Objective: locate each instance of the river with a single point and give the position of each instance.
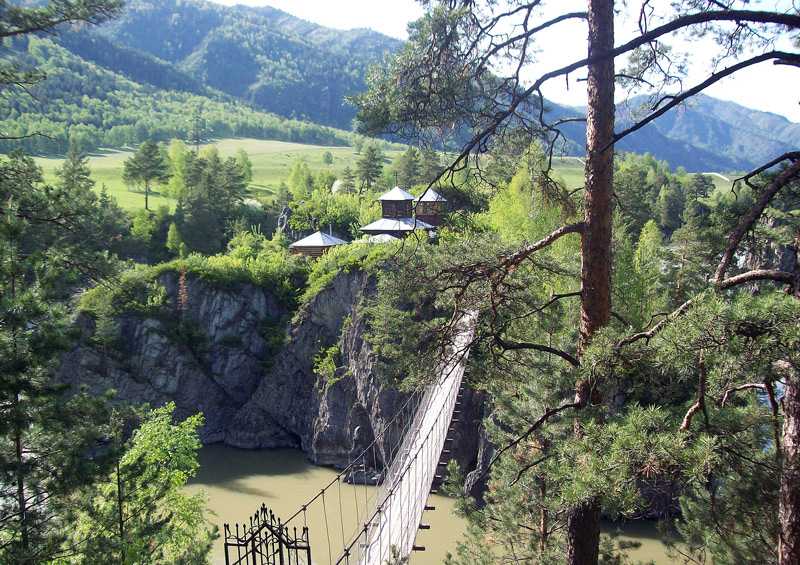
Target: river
(237, 481)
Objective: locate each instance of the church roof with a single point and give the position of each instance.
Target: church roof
(382, 238)
(432, 196)
(385, 225)
(318, 239)
(397, 194)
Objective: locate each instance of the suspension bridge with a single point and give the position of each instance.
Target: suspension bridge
(370, 513)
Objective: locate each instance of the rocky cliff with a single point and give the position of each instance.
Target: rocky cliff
(254, 395)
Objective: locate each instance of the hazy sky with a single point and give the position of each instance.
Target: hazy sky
(764, 86)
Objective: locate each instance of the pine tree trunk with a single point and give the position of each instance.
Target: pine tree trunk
(789, 512)
(583, 524)
(22, 506)
(596, 242)
(147, 196)
(583, 535)
(789, 498)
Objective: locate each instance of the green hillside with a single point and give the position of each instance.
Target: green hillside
(91, 106)
(275, 61)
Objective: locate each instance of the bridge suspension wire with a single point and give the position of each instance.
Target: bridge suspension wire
(362, 475)
(389, 533)
(391, 477)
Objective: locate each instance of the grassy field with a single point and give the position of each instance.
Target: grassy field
(272, 161)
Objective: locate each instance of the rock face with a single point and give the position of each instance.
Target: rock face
(252, 396)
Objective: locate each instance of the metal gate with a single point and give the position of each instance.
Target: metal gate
(266, 542)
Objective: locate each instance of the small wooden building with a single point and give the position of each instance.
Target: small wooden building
(397, 203)
(431, 207)
(315, 244)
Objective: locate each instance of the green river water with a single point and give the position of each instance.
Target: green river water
(236, 482)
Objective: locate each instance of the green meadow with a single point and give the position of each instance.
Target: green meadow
(272, 161)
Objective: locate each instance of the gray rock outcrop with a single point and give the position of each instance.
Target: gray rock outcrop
(251, 395)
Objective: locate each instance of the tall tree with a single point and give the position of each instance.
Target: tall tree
(245, 165)
(141, 513)
(408, 168)
(50, 241)
(176, 153)
(215, 189)
(146, 166)
(370, 165)
(430, 166)
(455, 36)
(348, 180)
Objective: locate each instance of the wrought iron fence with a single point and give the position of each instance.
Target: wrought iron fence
(266, 541)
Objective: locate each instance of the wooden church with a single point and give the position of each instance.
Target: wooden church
(397, 213)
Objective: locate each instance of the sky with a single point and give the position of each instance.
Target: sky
(764, 87)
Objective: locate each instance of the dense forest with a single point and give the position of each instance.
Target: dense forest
(91, 107)
(266, 57)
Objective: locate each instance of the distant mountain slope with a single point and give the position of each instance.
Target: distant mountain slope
(741, 136)
(649, 139)
(267, 57)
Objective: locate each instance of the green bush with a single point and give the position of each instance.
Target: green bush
(345, 258)
(326, 363)
(251, 258)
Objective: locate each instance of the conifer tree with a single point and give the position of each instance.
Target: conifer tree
(408, 168)
(348, 180)
(430, 165)
(445, 79)
(146, 166)
(370, 166)
(48, 241)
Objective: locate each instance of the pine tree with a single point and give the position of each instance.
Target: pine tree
(670, 207)
(430, 165)
(147, 165)
(74, 172)
(348, 180)
(370, 166)
(44, 433)
(408, 168)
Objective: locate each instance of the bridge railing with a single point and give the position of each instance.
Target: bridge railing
(370, 512)
(389, 534)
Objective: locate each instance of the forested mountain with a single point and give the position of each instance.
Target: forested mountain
(267, 57)
(721, 129)
(175, 51)
(82, 102)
